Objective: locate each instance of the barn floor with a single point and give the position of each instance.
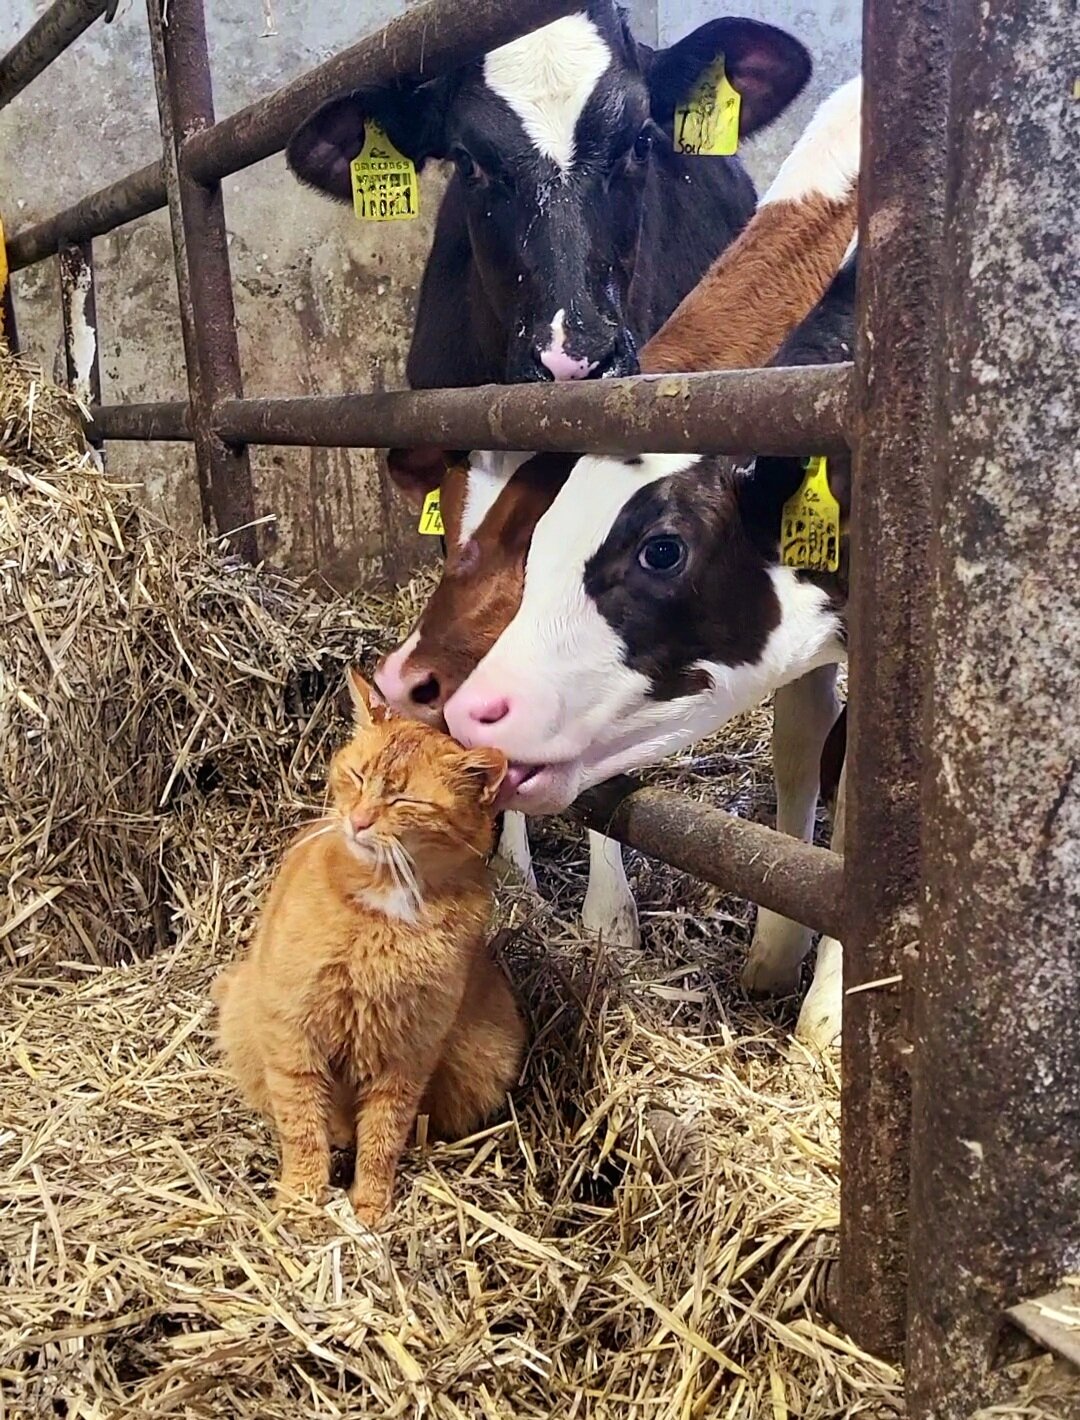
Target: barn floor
(644, 1236)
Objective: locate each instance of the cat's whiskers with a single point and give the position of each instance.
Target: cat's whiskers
(403, 876)
(407, 870)
(318, 833)
(385, 861)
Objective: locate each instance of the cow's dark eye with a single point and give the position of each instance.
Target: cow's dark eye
(467, 165)
(643, 144)
(664, 554)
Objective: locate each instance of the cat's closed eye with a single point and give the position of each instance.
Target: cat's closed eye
(355, 775)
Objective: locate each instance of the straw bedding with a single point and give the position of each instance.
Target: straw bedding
(643, 1235)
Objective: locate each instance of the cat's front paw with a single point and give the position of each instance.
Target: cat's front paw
(370, 1208)
(299, 1188)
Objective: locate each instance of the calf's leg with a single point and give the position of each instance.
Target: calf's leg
(512, 853)
(803, 714)
(820, 1018)
(609, 909)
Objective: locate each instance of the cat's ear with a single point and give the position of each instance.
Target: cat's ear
(489, 766)
(368, 706)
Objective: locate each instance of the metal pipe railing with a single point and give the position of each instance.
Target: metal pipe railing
(898, 300)
(61, 24)
(995, 1123)
(134, 196)
(743, 858)
(185, 98)
(773, 411)
(426, 41)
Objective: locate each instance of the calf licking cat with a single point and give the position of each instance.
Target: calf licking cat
(571, 228)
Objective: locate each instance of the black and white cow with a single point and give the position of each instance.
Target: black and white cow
(569, 232)
(656, 608)
(571, 228)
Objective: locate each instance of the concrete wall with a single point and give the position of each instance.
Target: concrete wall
(830, 29)
(324, 303)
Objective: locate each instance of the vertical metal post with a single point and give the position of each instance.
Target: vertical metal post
(8, 332)
(900, 195)
(204, 282)
(78, 314)
(996, 1079)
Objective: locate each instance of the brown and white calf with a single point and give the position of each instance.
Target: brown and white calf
(571, 227)
(655, 608)
(756, 292)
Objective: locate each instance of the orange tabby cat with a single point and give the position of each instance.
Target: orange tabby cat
(368, 995)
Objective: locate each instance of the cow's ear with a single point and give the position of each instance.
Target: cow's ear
(768, 67)
(417, 471)
(412, 116)
(763, 491)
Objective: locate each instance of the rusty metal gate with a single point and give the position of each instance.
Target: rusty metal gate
(956, 897)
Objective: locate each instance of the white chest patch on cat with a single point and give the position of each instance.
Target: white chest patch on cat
(400, 903)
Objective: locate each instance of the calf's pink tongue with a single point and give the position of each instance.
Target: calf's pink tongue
(516, 775)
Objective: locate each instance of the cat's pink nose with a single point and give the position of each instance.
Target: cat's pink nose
(361, 819)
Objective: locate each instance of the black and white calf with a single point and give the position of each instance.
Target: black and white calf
(570, 230)
(656, 608)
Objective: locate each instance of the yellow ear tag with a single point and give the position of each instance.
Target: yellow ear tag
(384, 185)
(707, 124)
(431, 516)
(810, 523)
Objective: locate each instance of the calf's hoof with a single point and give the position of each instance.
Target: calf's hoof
(616, 927)
(777, 953)
(509, 874)
(819, 1033)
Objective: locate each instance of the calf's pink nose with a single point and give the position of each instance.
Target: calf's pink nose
(403, 686)
(489, 712)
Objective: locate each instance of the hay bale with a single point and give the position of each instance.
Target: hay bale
(147, 686)
(567, 1262)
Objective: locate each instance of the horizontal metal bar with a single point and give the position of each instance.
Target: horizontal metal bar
(61, 24)
(774, 411)
(168, 422)
(426, 41)
(133, 196)
(777, 411)
(1053, 1321)
(748, 859)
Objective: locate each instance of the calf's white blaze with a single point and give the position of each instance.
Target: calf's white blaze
(391, 674)
(489, 473)
(547, 78)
